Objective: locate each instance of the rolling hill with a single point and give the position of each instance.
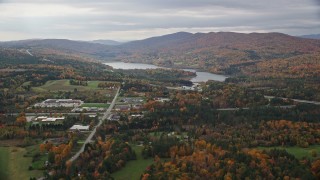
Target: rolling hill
(107, 42)
(221, 52)
(64, 47)
(311, 36)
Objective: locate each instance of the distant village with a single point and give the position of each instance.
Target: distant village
(124, 105)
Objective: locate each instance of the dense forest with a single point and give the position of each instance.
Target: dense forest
(189, 138)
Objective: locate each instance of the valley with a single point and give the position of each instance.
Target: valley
(180, 106)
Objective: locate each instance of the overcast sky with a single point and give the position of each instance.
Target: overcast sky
(125, 20)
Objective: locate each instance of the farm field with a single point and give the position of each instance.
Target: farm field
(298, 152)
(13, 164)
(64, 85)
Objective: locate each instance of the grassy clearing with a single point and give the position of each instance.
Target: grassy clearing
(93, 84)
(156, 134)
(64, 85)
(13, 164)
(298, 152)
(4, 159)
(81, 142)
(98, 105)
(26, 83)
(133, 169)
(40, 160)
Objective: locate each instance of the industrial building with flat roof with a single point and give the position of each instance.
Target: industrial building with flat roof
(48, 119)
(60, 103)
(77, 127)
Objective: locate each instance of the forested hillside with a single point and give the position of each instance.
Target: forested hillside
(222, 52)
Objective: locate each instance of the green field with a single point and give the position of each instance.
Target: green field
(133, 169)
(298, 152)
(13, 164)
(98, 105)
(4, 159)
(64, 85)
(26, 83)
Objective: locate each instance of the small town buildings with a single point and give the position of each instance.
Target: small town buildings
(135, 116)
(188, 88)
(122, 108)
(59, 103)
(51, 119)
(114, 117)
(137, 106)
(161, 99)
(88, 109)
(194, 87)
(40, 118)
(131, 100)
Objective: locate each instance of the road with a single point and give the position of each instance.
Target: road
(295, 100)
(246, 108)
(267, 97)
(29, 52)
(221, 109)
(47, 114)
(230, 109)
(102, 119)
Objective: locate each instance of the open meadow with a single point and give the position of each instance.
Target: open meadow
(298, 152)
(14, 163)
(135, 168)
(64, 85)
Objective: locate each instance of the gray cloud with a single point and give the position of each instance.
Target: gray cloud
(136, 19)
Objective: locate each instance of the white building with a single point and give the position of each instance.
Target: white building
(51, 119)
(48, 119)
(77, 127)
(60, 103)
(161, 99)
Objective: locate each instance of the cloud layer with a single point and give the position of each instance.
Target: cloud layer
(136, 19)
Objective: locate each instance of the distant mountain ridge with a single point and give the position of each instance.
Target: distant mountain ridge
(107, 42)
(199, 40)
(62, 46)
(311, 36)
(159, 40)
(218, 52)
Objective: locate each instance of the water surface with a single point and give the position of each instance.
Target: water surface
(201, 76)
